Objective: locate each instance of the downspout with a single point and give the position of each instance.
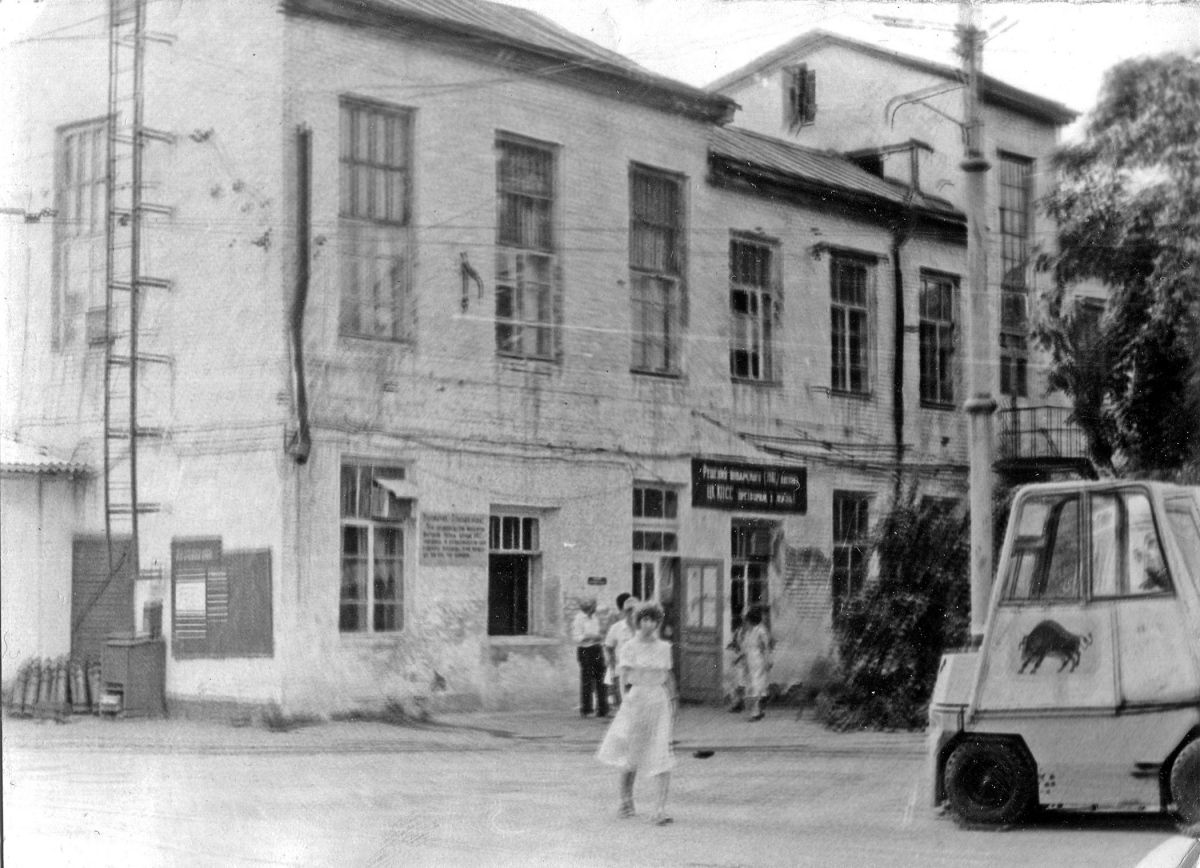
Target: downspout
(901, 232)
(301, 444)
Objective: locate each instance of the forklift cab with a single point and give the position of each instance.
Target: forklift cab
(1085, 690)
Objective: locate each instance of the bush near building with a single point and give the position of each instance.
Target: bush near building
(891, 636)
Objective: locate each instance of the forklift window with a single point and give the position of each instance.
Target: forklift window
(1127, 558)
(1046, 552)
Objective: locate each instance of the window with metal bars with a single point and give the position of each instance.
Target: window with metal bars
(375, 201)
(752, 300)
(850, 517)
(80, 226)
(938, 306)
(850, 323)
(525, 249)
(373, 521)
(656, 269)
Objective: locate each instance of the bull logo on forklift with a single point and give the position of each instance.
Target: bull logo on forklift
(1052, 639)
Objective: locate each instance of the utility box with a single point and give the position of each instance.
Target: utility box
(133, 670)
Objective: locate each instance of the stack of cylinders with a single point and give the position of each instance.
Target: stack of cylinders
(60, 701)
(17, 700)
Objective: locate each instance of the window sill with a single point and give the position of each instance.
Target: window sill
(660, 375)
(855, 396)
(756, 384)
(938, 405)
(370, 341)
(526, 364)
(519, 641)
(371, 639)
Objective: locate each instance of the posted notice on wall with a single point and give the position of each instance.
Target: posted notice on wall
(454, 539)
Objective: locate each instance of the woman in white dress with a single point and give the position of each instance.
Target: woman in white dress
(639, 738)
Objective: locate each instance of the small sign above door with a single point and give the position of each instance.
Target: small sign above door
(734, 485)
(597, 580)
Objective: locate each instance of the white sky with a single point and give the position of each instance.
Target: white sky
(1055, 49)
(1058, 50)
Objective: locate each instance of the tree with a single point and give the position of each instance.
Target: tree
(1128, 214)
(891, 635)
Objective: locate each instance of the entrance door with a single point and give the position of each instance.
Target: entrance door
(101, 600)
(700, 654)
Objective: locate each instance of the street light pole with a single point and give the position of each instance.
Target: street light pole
(980, 404)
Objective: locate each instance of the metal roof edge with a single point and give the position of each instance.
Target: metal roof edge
(682, 98)
(995, 91)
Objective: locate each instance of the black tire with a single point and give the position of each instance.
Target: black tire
(1185, 783)
(989, 782)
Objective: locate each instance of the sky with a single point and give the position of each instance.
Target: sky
(1059, 50)
(1055, 49)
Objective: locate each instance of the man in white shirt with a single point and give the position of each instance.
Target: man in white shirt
(587, 634)
(621, 631)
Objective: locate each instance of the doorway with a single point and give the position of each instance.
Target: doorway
(699, 612)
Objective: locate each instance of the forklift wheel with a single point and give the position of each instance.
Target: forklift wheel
(1185, 783)
(989, 782)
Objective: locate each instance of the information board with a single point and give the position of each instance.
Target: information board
(454, 539)
(735, 485)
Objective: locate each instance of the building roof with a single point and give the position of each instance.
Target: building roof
(823, 169)
(479, 21)
(995, 92)
(17, 456)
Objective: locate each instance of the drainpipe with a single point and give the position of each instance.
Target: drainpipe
(301, 444)
(901, 232)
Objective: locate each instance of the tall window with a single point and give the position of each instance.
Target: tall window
(1016, 235)
(656, 269)
(752, 301)
(850, 515)
(849, 278)
(79, 229)
(655, 536)
(514, 574)
(938, 303)
(373, 519)
(525, 263)
(799, 96)
(375, 190)
(750, 553)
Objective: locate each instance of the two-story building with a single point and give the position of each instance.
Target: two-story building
(901, 118)
(447, 319)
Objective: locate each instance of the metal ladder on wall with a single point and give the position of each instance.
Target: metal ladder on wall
(126, 356)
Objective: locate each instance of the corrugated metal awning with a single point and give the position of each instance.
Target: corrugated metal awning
(19, 456)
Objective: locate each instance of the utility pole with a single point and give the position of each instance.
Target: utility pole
(980, 404)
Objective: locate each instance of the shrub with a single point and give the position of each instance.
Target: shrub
(890, 636)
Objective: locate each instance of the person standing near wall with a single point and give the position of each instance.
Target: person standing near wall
(756, 644)
(621, 631)
(587, 634)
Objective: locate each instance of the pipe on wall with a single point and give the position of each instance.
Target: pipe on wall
(301, 444)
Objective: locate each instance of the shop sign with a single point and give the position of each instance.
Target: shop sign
(454, 539)
(753, 487)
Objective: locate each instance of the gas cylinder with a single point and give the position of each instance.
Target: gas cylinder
(79, 691)
(60, 703)
(18, 692)
(93, 680)
(32, 686)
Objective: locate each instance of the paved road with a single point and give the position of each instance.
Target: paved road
(504, 802)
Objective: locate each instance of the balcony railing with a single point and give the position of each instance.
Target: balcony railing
(1040, 436)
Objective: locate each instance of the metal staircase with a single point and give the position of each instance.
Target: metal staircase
(127, 355)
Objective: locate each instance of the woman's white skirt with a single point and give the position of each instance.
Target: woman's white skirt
(639, 738)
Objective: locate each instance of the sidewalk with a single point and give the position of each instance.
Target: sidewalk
(699, 728)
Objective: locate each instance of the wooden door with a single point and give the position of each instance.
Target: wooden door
(101, 600)
(700, 655)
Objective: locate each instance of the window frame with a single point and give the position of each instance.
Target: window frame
(527, 312)
(850, 547)
(369, 526)
(938, 375)
(375, 293)
(658, 312)
(752, 331)
(843, 313)
(799, 96)
(529, 524)
(741, 560)
(73, 236)
(646, 558)
(1017, 195)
